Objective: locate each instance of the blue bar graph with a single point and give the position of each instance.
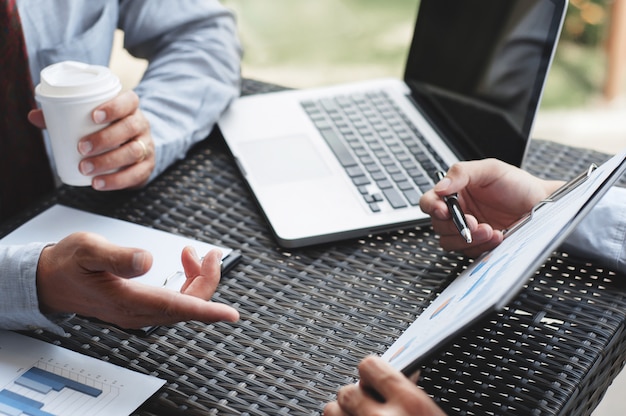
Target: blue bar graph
(57, 382)
(9, 411)
(43, 383)
(23, 404)
(41, 379)
(33, 385)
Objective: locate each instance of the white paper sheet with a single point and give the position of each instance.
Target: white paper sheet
(41, 378)
(59, 221)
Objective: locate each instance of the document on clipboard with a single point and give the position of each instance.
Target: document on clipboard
(496, 277)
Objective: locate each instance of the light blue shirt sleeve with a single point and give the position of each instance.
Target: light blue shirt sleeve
(19, 305)
(601, 235)
(193, 72)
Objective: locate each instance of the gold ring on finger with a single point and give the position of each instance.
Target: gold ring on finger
(144, 154)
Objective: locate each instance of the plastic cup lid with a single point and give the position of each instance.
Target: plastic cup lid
(70, 79)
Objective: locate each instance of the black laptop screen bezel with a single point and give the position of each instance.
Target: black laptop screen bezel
(447, 86)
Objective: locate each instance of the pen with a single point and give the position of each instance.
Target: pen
(457, 214)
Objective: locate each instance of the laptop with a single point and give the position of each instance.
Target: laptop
(350, 160)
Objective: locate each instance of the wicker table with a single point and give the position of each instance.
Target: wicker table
(309, 315)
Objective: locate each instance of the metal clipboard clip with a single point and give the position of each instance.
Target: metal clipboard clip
(555, 196)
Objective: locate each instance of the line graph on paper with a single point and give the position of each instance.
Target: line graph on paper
(50, 388)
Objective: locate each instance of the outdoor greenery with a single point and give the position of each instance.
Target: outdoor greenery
(302, 43)
(586, 21)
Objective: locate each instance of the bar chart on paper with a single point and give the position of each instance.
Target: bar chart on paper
(59, 390)
(40, 379)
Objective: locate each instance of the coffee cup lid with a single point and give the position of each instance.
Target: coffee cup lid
(71, 79)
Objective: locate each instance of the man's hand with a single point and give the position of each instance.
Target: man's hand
(121, 155)
(87, 275)
(400, 395)
(493, 195)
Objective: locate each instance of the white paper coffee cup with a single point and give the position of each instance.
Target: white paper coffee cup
(68, 93)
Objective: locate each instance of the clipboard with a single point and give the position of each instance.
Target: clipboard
(495, 278)
(555, 196)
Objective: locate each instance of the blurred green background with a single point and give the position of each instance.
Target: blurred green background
(301, 43)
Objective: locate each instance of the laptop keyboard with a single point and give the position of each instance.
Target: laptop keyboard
(383, 153)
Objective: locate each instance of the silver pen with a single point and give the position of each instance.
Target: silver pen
(458, 217)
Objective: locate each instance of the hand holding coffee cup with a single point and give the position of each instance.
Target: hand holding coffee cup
(98, 137)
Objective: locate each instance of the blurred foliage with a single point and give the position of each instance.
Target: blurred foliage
(586, 21)
(302, 43)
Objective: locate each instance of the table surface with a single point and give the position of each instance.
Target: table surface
(309, 315)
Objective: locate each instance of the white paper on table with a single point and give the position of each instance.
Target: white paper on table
(58, 221)
(86, 386)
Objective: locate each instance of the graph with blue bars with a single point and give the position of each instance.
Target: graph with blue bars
(48, 390)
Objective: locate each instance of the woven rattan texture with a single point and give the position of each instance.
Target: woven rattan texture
(309, 315)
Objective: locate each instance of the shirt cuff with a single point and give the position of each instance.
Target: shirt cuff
(18, 282)
(601, 235)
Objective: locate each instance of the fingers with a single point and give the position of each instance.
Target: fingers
(36, 118)
(453, 182)
(183, 307)
(157, 306)
(95, 272)
(401, 395)
(475, 173)
(353, 400)
(203, 275)
(379, 375)
(119, 130)
(116, 109)
(89, 268)
(191, 262)
(94, 253)
(484, 238)
(473, 182)
(333, 409)
(130, 166)
(142, 305)
(121, 155)
(134, 150)
(433, 205)
(459, 177)
(414, 378)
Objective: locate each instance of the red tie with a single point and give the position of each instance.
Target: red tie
(25, 173)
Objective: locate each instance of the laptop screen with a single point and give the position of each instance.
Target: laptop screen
(478, 72)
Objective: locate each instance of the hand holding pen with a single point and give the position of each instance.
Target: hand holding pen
(495, 195)
(458, 217)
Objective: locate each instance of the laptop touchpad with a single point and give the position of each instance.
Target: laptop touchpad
(280, 160)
